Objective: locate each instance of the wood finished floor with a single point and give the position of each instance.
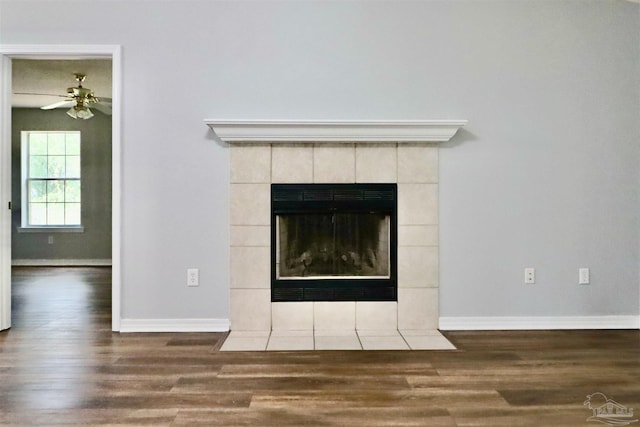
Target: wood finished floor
(61, 365)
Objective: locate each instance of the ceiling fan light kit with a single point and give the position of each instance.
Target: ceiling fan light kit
(81, 96)
(80, 112)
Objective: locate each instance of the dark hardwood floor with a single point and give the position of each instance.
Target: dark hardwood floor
(61, 365)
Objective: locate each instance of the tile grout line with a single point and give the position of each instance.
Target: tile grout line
(268, 340)
(359, 340)
(404, 339)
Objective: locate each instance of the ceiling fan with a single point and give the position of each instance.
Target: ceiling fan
(79, 98)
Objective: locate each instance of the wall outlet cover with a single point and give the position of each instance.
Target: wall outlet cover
(193, 277)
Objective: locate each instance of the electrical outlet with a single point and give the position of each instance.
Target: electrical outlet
(529, 275)
(50, 240)
(193, 277)
(583, 276)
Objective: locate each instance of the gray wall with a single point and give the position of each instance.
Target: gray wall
(545, 175)
(95, 241)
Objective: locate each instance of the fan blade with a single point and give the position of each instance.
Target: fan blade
(38, 94)
(102, 107)
(68, 103)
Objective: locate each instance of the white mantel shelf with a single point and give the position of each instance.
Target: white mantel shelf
(334, 131)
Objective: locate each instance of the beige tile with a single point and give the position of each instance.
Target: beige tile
(250, 267)
(334, 332)
(418, 308)
(334, 315)
(245, 344)
(384, 343)
(417, 235)
(418, 266)
(417, 204)
(376, 163)
(290, 343)
(341, 342)
(292, 315)
(428, 342)
(250, 309)
(419, 332)
(377, 332)
(334, 163)
(417, 163)
(250, 334)
(376, 315)
(250, 235)
(291, 163)
(250, 204)
(289, 333)
(250, 163)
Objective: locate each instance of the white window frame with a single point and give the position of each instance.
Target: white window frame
(25, 226)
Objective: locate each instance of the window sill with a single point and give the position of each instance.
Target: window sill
(69, 229)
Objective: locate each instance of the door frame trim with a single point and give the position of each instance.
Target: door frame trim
(31, 51)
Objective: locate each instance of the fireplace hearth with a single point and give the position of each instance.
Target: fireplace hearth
(333, 242)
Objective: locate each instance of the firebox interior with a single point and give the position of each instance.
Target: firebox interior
(333, 242)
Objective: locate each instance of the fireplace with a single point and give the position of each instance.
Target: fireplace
(305, 156)
(333, 242)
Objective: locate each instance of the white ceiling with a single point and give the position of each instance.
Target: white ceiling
(53, 77)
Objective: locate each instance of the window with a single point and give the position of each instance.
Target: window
(51, 179)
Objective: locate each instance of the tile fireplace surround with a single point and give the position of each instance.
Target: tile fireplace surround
(401, 152)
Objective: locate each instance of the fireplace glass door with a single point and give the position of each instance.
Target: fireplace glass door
(315, 246)
(333, 242)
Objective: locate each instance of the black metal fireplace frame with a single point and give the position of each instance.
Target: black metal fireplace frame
(332, 198)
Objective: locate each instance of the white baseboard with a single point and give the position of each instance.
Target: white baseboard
(61, 263)
(174, 325)
(538, 322)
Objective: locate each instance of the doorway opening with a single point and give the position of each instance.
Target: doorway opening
(50, 224)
